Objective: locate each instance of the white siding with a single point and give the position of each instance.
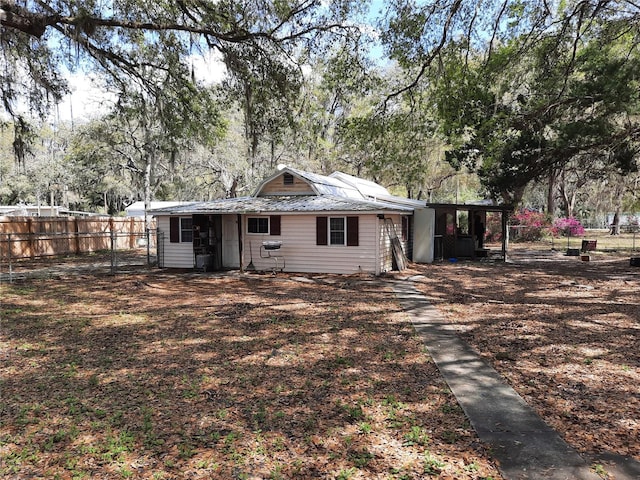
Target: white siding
(301, 254)
(175, 255)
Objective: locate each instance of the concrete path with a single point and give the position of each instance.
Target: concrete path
(523, 445)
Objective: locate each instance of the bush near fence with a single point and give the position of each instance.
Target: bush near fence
(33, 237)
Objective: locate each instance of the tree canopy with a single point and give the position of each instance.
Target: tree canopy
(514, 91)
(38, 37)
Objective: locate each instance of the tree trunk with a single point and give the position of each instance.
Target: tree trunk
(615, 224)
(147, 193)
(551, 193)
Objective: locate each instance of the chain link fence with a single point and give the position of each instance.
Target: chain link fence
(32, 255)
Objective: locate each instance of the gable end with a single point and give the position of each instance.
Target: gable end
(286, 184)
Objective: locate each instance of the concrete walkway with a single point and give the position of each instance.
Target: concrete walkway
(522, 444)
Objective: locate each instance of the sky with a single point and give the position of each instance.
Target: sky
(88, 100)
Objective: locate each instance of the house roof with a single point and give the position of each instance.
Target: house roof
(137, 208)
(285, 204)
(320, 184)
(336, 193)
(367, 188)
(478, 207)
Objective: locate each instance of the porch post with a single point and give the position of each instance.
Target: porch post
(505, 234)
(239, 221)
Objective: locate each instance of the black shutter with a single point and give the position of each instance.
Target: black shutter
(174, 229)
(353, 233)
(321, 231)
(274, 225)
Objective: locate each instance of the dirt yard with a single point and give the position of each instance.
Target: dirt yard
(157, 375)
(565, 333)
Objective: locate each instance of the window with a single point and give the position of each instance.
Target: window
(337, 231)
(287, 179)
(264, 225)
(258, 224)
(186, 230)
(180, 230)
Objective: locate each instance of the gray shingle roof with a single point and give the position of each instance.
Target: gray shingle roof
(284, 204)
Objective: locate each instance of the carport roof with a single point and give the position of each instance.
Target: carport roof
(284, 204)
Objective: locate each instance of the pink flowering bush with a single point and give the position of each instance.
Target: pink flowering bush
(493, 230)
(529, 225)
(567, 226)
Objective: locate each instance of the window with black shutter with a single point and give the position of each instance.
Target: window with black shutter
(180, 230)
(338, 231)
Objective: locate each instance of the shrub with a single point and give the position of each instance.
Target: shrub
(529, 225)
(567, 226)
(493, 230)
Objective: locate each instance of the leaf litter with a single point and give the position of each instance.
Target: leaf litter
(167, 375)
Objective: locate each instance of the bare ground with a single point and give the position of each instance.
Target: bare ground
(160, 375)
(563, 332)
(168, 375)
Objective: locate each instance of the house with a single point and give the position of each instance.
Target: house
(136, 209)
(298, 221)
(33, 211)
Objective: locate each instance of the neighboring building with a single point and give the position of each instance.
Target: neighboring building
(33, 211)
(136, 209)
(298, 222)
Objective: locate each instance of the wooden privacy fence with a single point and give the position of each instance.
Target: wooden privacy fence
(32, 237)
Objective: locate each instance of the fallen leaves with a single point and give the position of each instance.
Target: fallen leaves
(565, 335)
(162, 375)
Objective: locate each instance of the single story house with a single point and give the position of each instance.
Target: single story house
(299, 221)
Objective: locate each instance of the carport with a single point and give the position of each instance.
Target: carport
(460, 230)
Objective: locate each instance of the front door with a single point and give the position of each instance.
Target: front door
(207, 241)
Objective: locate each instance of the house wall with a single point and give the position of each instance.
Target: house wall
(277, 187)
(175, 255)
(180, 255)
(301, 254)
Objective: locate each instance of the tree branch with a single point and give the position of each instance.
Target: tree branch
(434, 53)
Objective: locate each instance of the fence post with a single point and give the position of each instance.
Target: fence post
(76, 232)
(113, 251)
(31, 235)
(148, 237)
(9, 254)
